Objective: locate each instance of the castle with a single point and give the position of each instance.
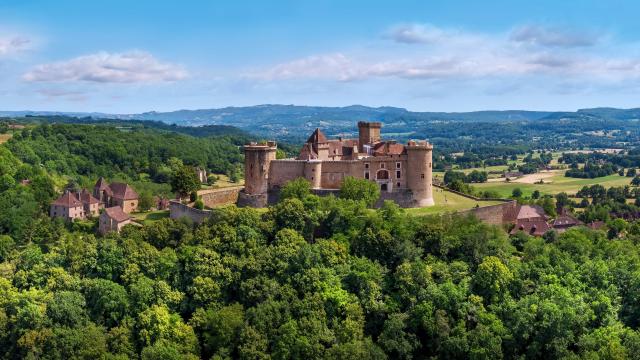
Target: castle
(403, 172)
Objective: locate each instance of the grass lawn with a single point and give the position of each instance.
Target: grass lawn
(147, 218)
(453, 202)
(556, 184)
(223, 181)
(4, 138)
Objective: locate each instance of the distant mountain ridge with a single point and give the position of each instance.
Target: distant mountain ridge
(271, 120)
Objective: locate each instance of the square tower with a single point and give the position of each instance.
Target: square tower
(368, 133)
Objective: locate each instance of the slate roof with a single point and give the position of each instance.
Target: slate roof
(116, 214)
(68, 199)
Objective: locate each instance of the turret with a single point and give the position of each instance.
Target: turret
(419, 172)
(313, 173)
(368, 133)
(257, 159)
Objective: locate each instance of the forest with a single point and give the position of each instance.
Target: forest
(318, 278)
(137, 153)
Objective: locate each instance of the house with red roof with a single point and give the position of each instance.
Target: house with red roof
(116, 194)
(74, 205)
(113, 219)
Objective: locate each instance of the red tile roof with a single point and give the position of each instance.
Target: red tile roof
(68, 199)
(531, 212)
(123, 191)
(531, 227)
(116, 214)
(102, 185)
(317, 137)
(566, 220)
(388, 148)
(87, 198)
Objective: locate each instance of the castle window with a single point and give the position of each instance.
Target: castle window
(398, 174)
(381, 165)
(366, 175)
(429, 165)
(421, 176)
(366, 165)
(398, 165)
(398, 184)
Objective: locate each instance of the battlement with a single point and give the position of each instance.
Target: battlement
(373, 124)
(417, 145)
(269, 145)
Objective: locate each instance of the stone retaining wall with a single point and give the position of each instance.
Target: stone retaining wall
(178, 210)
(217, 197)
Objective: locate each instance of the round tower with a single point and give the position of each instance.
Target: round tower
(257, 158)
(313, 173)
(419, 172)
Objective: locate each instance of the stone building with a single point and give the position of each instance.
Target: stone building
(116, 194)
(113, 219)
(72, 206)
(403, 172)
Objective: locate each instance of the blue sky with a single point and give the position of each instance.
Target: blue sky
(133, 56)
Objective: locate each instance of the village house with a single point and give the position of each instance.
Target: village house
(113, 219)
(75, 206)
(531, 220)
(116, 194)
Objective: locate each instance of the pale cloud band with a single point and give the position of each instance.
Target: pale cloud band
(103, 67)
(438, 53)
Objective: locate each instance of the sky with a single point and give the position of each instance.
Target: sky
(431, 55)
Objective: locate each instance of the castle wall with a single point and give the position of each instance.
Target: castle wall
(283, 171)
(217, 197)
(178, 210)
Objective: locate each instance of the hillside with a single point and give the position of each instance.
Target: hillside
(293, 123)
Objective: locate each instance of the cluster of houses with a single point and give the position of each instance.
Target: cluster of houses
(117, 199)
(532, 220)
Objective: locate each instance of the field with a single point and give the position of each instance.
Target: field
(448, 202)
(147, 218)
(553, 184)
(4, 138)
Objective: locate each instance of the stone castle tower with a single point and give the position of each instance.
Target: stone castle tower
(368, 133)
(419, 172)
(257, 159)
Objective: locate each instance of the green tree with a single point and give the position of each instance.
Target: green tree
(516, 193)
(185, 181)
(299, 188)
(360, 190)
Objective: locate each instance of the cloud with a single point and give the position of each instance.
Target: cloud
(552, 36)
(103, 67)
(418, 34)
(13, 44)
